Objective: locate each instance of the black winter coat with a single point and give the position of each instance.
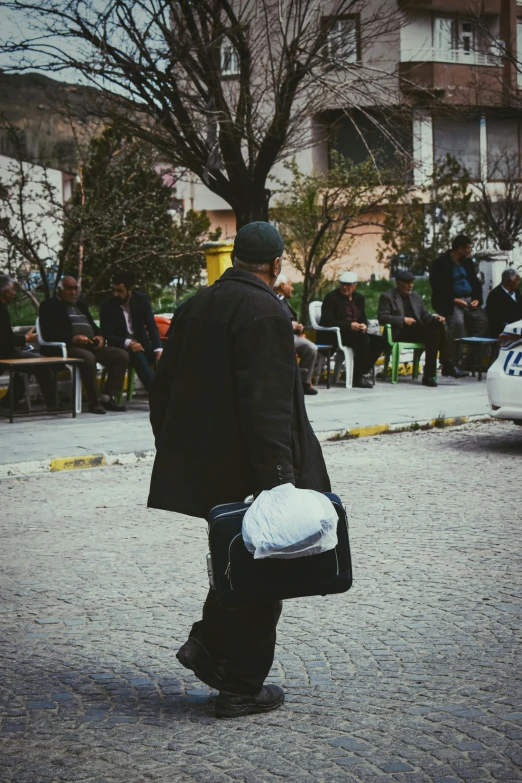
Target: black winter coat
(114, 326)
(8, 338)
(227, 405)
(333, 312)
(55, 323)
(441, 281)
(502, 309)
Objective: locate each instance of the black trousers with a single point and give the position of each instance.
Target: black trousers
(434, 337)
(43, 375)
(142, 361)
(366, 349)
(114, 359)
(242, 640)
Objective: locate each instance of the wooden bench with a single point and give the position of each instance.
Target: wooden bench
(38, 361)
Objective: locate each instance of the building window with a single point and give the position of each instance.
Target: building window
(459, 138)
(342, 40)
(229, 59)
(503, 139)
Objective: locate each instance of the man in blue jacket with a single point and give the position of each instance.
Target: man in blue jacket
(127, 321)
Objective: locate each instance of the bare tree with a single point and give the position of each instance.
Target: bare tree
(499, 202)
(320, 215)
(31, 219)
(222, 89)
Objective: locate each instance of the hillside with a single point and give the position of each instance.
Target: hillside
(52, 118)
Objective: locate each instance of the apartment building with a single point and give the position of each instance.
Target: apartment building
(451, 83)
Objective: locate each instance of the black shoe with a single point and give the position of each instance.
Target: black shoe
(428, 381)
(228, 705)
(194, 656)
(112, 405)
(96, 407)
(363, 383)
(453, 371)
(307, 389)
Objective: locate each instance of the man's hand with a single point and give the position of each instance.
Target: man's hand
(439, 318)
(357, 327)
(409, 321)
(157, 356)
(297, 327)
(460, 302)
(135, 346)
(31, 336)
(98, 341)
(80, 339)
(474, 303)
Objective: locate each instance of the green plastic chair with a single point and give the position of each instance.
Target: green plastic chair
(131, 375)
(396, 348)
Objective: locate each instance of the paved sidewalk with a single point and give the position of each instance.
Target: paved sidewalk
(335, 410)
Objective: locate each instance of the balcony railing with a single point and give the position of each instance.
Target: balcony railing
(430, 54)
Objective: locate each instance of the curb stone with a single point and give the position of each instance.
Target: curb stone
(81, 462)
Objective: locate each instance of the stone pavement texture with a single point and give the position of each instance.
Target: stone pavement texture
(39, 438)
(413, 676)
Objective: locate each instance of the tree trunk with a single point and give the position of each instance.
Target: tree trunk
(309, 291)
(251, 208)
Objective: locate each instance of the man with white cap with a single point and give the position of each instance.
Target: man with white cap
(345, 308)
(309, 357)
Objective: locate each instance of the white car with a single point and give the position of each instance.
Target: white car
(505, 376)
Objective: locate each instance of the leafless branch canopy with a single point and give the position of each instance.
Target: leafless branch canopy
(222, 88)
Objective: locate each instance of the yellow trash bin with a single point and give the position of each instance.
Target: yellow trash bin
(218, 258)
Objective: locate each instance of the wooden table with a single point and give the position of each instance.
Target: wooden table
(40, 361)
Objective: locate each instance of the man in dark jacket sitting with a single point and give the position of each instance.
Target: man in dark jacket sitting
(456, 293)
(11, 345)
(127, 321)
(345, 308)
(228, 414)
(65, 319)
(411, 322)
(504, 302)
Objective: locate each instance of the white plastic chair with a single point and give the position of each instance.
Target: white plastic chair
(342, 352)
(73, 368)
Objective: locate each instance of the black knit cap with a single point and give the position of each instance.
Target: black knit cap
(405, 274)
(258, 243)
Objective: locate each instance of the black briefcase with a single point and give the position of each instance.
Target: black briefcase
(239, 580)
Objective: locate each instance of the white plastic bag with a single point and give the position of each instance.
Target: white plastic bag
(287, 522)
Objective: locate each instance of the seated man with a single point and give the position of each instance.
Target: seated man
(127, 321)
(504, 303)
(65, 319)
(412, 323)
(457, 294)
(10, 348)
(345, 308)
(310, 359)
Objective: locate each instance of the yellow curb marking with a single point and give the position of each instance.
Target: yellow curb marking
(364, 432)
(74, 463)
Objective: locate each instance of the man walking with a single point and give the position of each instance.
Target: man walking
(65, 319)
(127, 321)
(310, 359)
(411, 322)
(457, 295)
(228, 414)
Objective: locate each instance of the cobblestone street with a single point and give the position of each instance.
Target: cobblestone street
(413, 675)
